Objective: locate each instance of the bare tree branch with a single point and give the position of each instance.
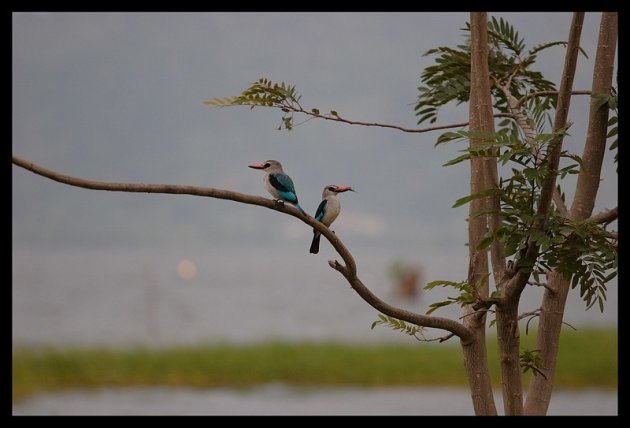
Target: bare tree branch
(541, 284)
(562, 111)
(605, 216)
(349, 270)
(437, 339)
(543, 93)
(532, 315)
(535, 312)
(337, 118)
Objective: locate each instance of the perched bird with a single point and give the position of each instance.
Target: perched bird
(278, 183)
(327, 211)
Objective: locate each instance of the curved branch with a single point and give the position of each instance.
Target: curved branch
(349, 270)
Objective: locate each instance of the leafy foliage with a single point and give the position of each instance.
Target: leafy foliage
(610, 102)
(465, 297)
(530, 360)
(449, 79)
(585, 255)
(397, 325)
(584, 252)
(265, 93)
(468, 294)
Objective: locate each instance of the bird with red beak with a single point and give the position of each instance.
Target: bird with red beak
(327, 211)
(278, 184)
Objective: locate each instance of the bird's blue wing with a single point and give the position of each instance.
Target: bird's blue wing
(321, 210)
(284, 185)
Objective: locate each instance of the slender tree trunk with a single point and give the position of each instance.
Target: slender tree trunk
(548, 342)
(595, 147)
(562, 114)
(554, 299)
(508, 339)
(481, 119)
(476, 365)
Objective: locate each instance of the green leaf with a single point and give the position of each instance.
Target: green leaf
(482, 194)
(221, 102)
(458, 159)
(450, 136)
(442, 283)
(434, 306)
(315, 111)
(543, 46)
(486, 241)
(334, 113)
(601, 100)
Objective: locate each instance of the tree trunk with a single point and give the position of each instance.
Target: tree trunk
(477, 371)
(548, 342)
(562, 113)
(595, 147)
(554, 299)
(475, 353)
(508, 339)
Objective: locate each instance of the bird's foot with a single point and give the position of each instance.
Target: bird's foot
(279, 202)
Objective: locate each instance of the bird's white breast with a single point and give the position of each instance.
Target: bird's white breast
(333, 207)
(272, 190)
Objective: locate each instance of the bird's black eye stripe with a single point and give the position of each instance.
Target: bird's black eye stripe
(332, 188)
(267, 165)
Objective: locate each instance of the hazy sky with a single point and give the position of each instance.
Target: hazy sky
(119, 96)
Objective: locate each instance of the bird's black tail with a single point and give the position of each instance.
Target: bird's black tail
(315, 243)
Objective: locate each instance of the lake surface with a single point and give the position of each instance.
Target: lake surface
(276, 399)
(117, 297)
(122, 297)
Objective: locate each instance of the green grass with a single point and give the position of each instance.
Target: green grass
(588, 358)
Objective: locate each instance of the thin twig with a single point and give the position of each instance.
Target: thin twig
(567, 324)
(436, 339)
(528, 314)
(528, 321)
(541, 284)
(338, 118)
(542, 93)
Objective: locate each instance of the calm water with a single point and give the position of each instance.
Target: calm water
(281, 400)
(119, 297)
(83, 297)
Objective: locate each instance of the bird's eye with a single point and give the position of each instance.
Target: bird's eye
(267, 165)
(332, 188)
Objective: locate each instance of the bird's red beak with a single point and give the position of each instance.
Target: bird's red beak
(257, 166)
(344, 189)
